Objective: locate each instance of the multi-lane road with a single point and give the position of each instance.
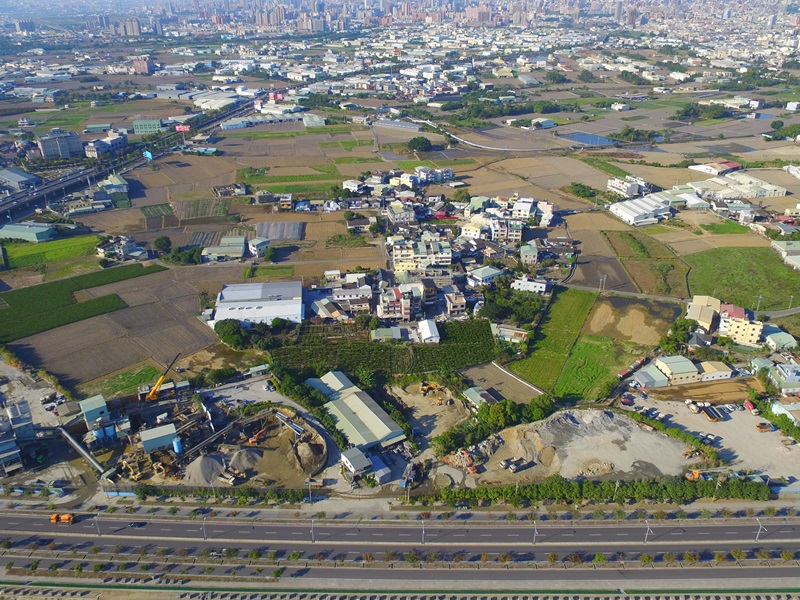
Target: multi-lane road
(336, 551)
(380, 535)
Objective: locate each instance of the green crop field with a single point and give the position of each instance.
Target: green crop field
(355, 160)
(725, 227)
(269, 271)
(592, 365)
(122, 384)
(604, 166)
(156, 210)
(43, 307)
(306, 189)
(409, 165)
(741, 275)
(28, 255)
(329, 129)
(555, 338)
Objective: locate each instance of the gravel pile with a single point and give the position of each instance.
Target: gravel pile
(245, 459)
(204, 470)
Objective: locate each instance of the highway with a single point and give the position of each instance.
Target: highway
(523, 536)
(374, 554)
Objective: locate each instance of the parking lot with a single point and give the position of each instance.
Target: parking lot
(739, 443)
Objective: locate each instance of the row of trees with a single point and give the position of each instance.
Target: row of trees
(557, 489)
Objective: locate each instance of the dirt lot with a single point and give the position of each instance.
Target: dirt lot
(741, 445)
(429, 418)
(494, 379)
(583, 442)
(160, 322)
(716, 392)
(630, 319)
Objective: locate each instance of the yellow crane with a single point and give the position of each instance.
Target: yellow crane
(153, 394)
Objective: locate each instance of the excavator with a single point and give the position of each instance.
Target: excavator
(153, 394)
(257, 436)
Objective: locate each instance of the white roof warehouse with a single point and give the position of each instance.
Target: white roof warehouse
(260, 302)
(358, 416)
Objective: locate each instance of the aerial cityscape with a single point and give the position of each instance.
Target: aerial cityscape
(336, 300)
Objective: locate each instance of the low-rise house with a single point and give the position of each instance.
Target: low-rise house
(786, 377)
(528, 284)
(780, 341)
(529, 254)
(507, 333)
(428, 332)
(483, 276)
(258, 246)
(478, 396)
(456, 304)
(231, 247)
(789, 408)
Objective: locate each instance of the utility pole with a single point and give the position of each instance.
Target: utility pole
(761, 529)
(759, 302)
(791, 299)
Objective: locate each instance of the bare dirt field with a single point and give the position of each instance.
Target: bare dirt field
(494, 379)
(716, 392)
(579, 443)
(596, 257)
(630, 319)
(160, 322)
(115, 222)
(427, 416)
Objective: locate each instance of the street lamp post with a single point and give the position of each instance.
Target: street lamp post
(791, 299)
(535, 533)
(648, 532)
(761, 529)
(312, 531)
(97, 524)
(423, 532)
(759, 302)
(204, 529)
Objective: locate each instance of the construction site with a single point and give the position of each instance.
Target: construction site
(213, 448)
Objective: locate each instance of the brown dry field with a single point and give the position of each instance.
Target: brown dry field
(685, 241)
(630, 319)
(115, 222)
(495, 379)
(663, 177)
(321, 231)
(160, 322)
(731, 390)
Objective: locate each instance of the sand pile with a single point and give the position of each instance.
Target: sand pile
(308, 455)
(245, 459)
(204, 470)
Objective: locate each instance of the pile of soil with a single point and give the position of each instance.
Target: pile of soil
(204, 470)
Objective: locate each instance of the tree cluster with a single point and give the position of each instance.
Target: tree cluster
(504, 304)
(490, 419)
(259, 335)
(678, 335)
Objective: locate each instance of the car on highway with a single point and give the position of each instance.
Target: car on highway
(135, 524)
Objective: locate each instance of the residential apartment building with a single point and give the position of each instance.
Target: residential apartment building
(524, 208)
(147, 126)
(414, 256)
(60, 144)
(400, 216)
(499, 229)
(728, 312)
(402, 303)
(745, 331)
(529, 254)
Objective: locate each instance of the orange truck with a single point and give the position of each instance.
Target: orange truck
(65, 518)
